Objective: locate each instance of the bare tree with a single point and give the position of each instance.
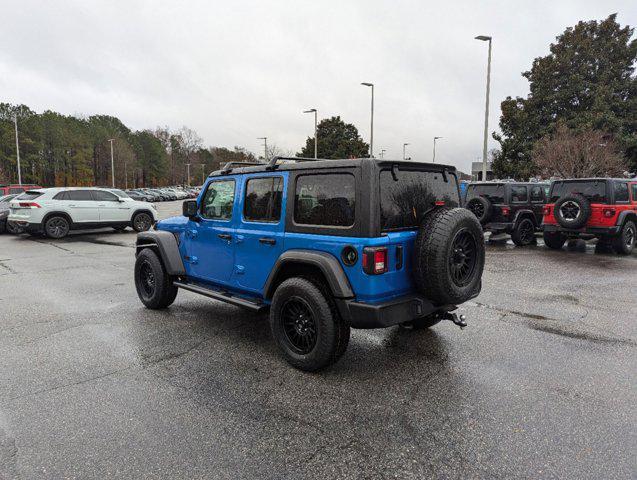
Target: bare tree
(569, 154)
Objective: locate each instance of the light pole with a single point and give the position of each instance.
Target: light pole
(382, 153)
(434, 159)
(313, 110)
(125, 177)
(203, 165)
(405, 150)
(371, 133)
(112, 162)
(265, 145)
(188, 174)
(485, 38)
(17, 148)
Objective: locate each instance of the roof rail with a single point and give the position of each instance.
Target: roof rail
(227, 168)
(272, 163)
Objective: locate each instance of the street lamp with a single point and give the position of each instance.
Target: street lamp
(404, 150)
(382, 153)
(188, 174)
(434, 159)
(112, 162)
(17, 148)
(265, 145)
(371, 134)
(313, 110)
(485, 38)
(203, 165)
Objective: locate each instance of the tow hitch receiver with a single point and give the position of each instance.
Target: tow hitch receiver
(455, 318)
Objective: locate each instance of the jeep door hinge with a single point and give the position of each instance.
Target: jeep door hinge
(192, 260)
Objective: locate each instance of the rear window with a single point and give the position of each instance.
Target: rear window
(594, 191)
(493, 193)
(29, 195)
(325, 199)
(405, 200)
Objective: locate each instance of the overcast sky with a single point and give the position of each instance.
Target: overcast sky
(234, 71)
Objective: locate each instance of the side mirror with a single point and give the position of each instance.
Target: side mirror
(189, 208)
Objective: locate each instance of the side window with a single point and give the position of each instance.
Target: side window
(621, 192)
(327, 200)
(102, 196)
(518, 194)
(218, 201)
(80, 195)
(634, 192)
(537, 194)
(263, 199)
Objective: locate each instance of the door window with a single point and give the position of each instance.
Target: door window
(218, 201)
(621, 192)
(79, 195)
(327, 200)
(102, 196)
(634, 192)
(518, 194)
(263, 199)
(537, 194)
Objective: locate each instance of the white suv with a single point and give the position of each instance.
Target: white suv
(56, 211)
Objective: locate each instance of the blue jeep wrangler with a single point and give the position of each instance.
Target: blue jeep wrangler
(325, 245)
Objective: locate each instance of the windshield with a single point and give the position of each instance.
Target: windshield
(30, 195)
(406, 199)
(494, 193)
(593, 190)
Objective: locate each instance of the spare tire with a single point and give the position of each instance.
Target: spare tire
(481, 207)
(572, 211)
(449, 256)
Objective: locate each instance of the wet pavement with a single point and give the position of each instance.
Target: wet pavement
(542, 384)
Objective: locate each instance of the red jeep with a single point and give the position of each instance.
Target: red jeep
(16, 188)
(605, 208)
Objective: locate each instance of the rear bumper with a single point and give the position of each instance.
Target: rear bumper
(614, 230)
(386, 314)
(26, 226)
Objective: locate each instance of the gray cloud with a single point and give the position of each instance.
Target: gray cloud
(237, 70)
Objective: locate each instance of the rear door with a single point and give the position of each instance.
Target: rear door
(81, 206)
(260, 232)
(537, 198)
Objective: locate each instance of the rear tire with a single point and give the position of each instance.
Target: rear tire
(153, 284)
(306, 326)
(554, 240)
(481, 207)
(624, 243)
(524, 233)
(142, 222)
(57, 227)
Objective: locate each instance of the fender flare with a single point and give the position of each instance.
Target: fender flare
(524, 213)
(326, 262)
(165, 244)
(626, 215)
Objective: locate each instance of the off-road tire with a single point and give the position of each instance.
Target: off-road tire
(332, 334)
(524, 233)
(624, 242)
(584, 211)
(438, 256)
(142, 222)
(554, 240)
(162, 293)
(481, 207)
(57, 226)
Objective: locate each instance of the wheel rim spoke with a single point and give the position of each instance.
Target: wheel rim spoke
(299, 326)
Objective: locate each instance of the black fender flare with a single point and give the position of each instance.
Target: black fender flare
(520, 214)
(326, 262)
(165, 244)
(626, 215)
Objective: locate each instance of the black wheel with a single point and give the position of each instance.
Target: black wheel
(306, 326)
(57, 227)
(624, 243)
(154, 286)
(449, 256)
(572, 211)
(142, 222)
(481, 207)
(554, 240)
(524, 233)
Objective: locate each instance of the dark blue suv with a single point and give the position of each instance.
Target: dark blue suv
(324, 245)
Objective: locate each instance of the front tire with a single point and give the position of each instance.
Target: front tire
(142, 222)
(153, 284)
(306, 325)
(524, 233)
(554, 240)
(624, 243)
(57, 227)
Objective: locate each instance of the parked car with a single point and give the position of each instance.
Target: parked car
(140, 197)
(605, 208)
(56, 211)
(16, 188)
(324, 245)
(510, 207)
(6, 226)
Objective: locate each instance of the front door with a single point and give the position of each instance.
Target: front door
(110, 207)
(209, 240)
(260, 232)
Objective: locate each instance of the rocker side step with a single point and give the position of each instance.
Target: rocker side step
(222, 296)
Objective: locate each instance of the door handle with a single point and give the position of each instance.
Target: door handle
(267, 241)
(224, 236)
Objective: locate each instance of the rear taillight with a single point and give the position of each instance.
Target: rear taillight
(439, 203)
(506, 211)
(375, 260)
(609, 212)
(29, 205)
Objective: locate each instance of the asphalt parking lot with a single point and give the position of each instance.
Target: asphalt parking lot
(542, 384)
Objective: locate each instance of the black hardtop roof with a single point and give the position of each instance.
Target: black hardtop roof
(480, 184)
(594, 179)
(293, 163)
